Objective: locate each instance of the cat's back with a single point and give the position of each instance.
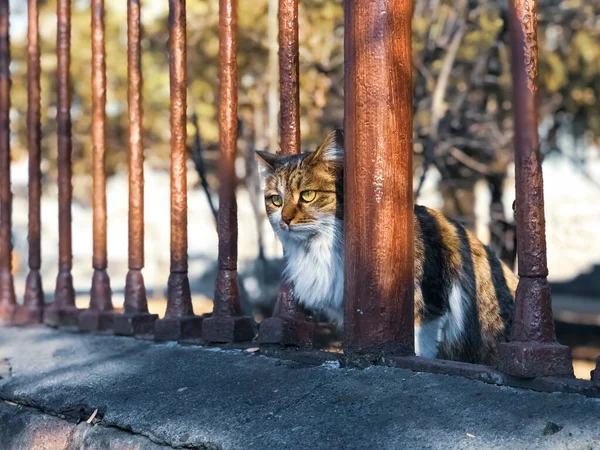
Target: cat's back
(460, 288)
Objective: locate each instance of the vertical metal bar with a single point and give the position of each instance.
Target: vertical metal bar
(378, 216)
(533, 350)
(179, 302)
(63, 311)
(32, 312)
(136, 319)
(288, 326)
(289, 77)
(7, 289)
(99, 316)
(226, 324)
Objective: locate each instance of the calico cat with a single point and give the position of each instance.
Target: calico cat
(463, 295)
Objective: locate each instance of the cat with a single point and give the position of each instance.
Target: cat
(463, 295)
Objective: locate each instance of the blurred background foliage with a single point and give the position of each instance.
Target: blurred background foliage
(463, 125)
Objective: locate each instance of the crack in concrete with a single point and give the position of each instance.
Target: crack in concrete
(99, 422)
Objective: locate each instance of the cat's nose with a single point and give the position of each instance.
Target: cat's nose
(286, 220)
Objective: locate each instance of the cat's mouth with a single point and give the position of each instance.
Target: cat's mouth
(302, 229)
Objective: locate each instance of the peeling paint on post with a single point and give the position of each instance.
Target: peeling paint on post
(226, 324)
(7, 288)
(62, 310)
(378, 219)
(533, 350)
(99, 316)
(288, 325)
(32, 310)
(179, 321)
(135, 319)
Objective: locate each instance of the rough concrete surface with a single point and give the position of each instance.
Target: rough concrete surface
(195, 397)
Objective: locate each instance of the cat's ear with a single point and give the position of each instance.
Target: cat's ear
(332, 149)
(266, 159)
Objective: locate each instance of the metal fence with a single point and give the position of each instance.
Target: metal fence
(378, 180)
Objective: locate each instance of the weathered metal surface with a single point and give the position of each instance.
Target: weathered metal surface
(99, 316)
(288, 326)
(63, 311)
(7, 289)
(179, 321)
(378, 220)
(226, 324)
(289, 77)
(489, 375)
(135, 319)
(33, 303)
(533, 351)
(136, 146)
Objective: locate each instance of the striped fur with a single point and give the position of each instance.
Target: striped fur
(463, 294)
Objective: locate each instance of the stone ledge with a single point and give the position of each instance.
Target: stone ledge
(196, 397)
(27, 428)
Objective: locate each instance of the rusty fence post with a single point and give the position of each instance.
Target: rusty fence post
(533, 350)
(378, 213)
(7, 287)
(135, 319)
(99, 316)
(62, 311)
(179, 321)
(288, 326)
(32, 311)
(226, 324)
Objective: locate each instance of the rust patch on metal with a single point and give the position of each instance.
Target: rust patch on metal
(178, 77)
(136, 302)
(533, 350)
(179, 321)
(136, 146)
(288, 326)
(7, 289)
(226, 291)
(34, 292)
(527, 18)
(64, 295)
(289, 78)
(378, 221)
(100, 292)
(226, 325)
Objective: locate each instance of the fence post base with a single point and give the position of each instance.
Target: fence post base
(228, 329)
(94, 321)
(7, 298)
(61, 317)
(32, 310)
(534, 359)
(133, 324)
(277, 330)
(178, 327)
(7, 313)
(28, 315)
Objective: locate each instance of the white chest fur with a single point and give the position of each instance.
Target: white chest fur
(315, 267)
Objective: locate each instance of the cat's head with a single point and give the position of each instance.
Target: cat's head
(303, 193)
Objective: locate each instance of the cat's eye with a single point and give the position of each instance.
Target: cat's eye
(308, 196)
(276, 200)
